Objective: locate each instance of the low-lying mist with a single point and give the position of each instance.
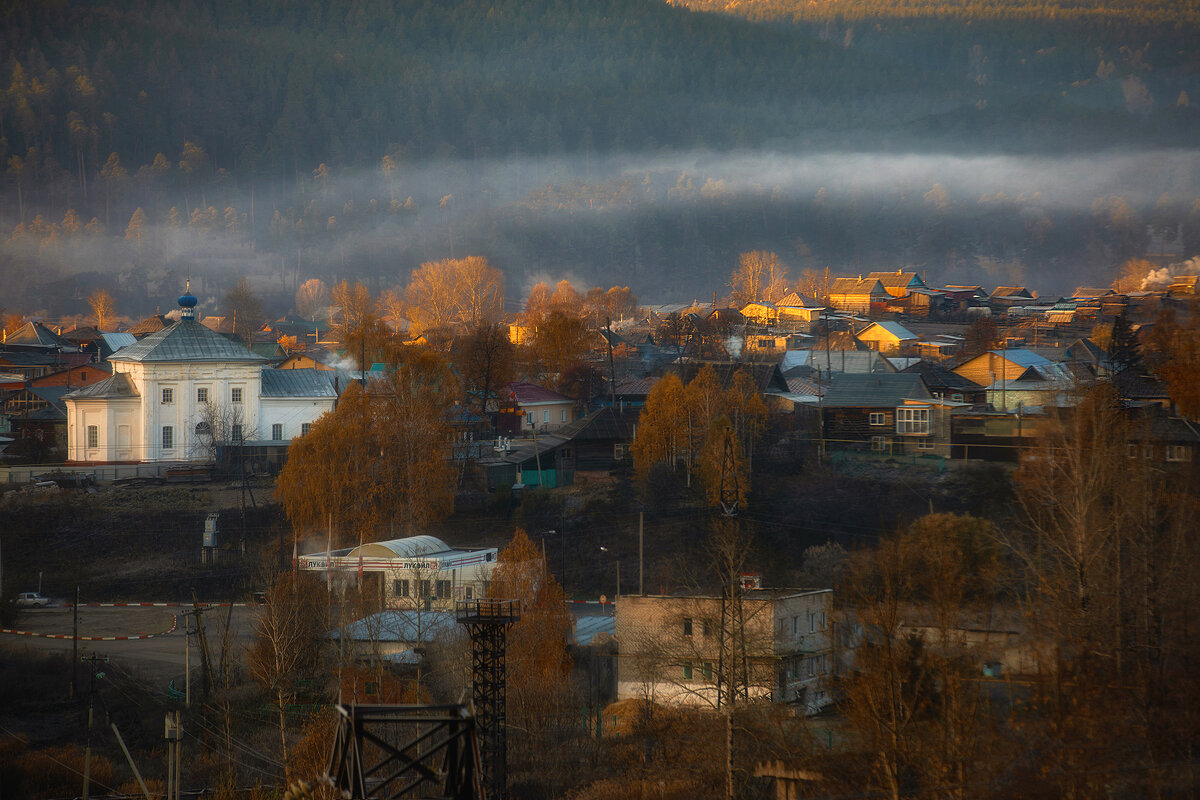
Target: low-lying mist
(670, 226)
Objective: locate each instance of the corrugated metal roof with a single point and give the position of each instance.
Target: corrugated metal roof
(115, 341)
(529, 393)
(298, 383)
(117, 386)
(587, 628)
(874, 391)
(1023, 358)
(894, 328)
(401, 626)
(186, 340)
(407, 547)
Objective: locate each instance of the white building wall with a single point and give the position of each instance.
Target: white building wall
(292, 413)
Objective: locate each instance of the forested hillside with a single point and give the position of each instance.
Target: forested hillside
(275, 139)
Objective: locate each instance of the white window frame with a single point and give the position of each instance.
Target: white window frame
(168, 437)
(93, 436)
(912, 421)
(305, 427)
(1178, 452)
(202, 395)
(877, 418)
(924, 444)
(545, 415)
(168, 395)
(564, 415)
(277, 432)
(235, 394)
(236, 432)
(879, 444)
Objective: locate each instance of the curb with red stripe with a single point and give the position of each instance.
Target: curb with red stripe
(174, 625)
(158, 605)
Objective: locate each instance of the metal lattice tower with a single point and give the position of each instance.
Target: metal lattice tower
(386, 752)
(487, 621)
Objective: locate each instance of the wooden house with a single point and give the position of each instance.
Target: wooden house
(885, 413)
(858, 295)
(898, 283)
(887, 337)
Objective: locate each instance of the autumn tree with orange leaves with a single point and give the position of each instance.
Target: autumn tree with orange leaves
(540, 703)
(687, 425)
(454, 293)
(377, 463)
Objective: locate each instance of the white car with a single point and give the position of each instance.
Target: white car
(32, 600)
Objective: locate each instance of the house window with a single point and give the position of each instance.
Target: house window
(795, 625)
(879, 443)
(277, 432)
(924, 444)
(877, 419)
(706, 670)
(235, 394)
(168, 437)
(424, 589)
(400, 587)
(620, 452)
(766, 344)
(811, 666)
(708, 627)
(822, 620)
(545, 415)
(687, 672)
(912, 420)
(1131, 450)
(202, 395)
(168, 396)
(202, 428)
(1178, 452)
(1147, 451)
(304, 428)
(443, 589)
(687, 626)
(93, 433)
(564, 415)
(812, 623)
(956, 397)
(235, 433)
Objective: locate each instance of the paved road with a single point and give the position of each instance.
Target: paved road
(156, 660)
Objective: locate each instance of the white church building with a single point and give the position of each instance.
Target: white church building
(179, 391)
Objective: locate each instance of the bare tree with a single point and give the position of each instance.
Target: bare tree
(288, 641)
(103, 306)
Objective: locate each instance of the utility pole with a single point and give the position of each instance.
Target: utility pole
(87, 758)
(641, 559)
(75, 644)
(173, 734)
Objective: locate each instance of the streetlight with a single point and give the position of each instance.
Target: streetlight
(604, 549)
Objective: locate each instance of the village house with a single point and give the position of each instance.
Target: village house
(674, 649)
(886, 413)
(761, 312)
(898, 283)
(798, 312)
(544, 408)
(887, 337)
(858, 295)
